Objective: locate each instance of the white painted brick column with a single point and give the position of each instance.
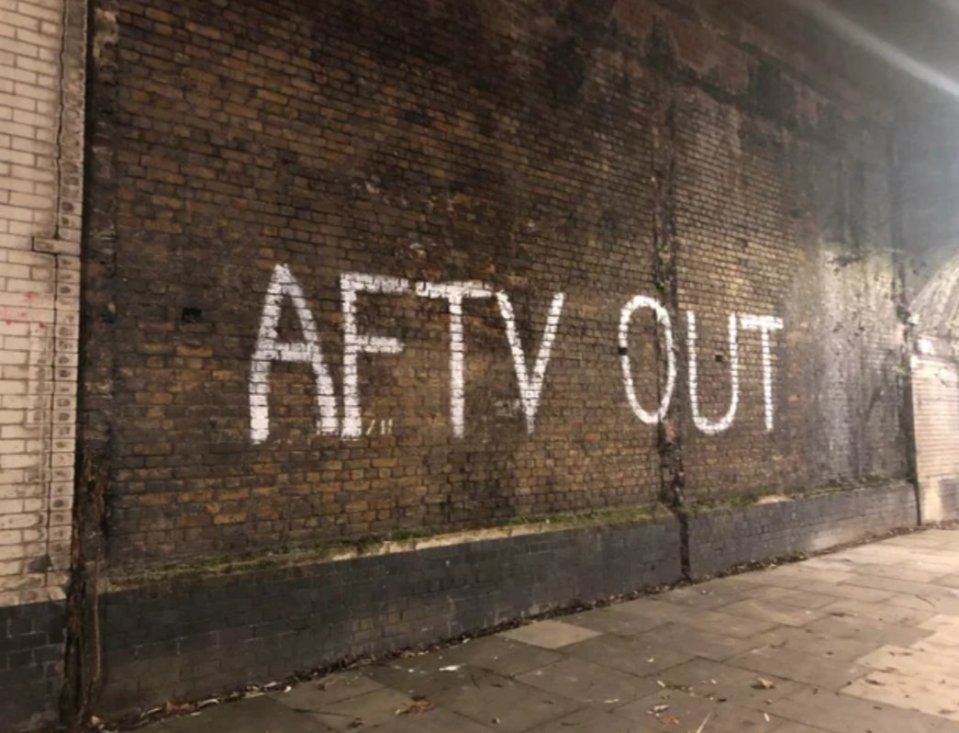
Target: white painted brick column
(42, 57)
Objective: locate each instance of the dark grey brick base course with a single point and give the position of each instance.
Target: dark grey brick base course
(724, 538)
(31, 665)
(192, 636)
(189, 638)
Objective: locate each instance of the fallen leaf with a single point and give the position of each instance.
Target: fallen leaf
(762, 683)
(656, 709)
(417, 706)
(173, 707)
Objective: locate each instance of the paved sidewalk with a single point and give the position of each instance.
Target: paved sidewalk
(863, 640)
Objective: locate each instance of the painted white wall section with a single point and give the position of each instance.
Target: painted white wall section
(42, 107)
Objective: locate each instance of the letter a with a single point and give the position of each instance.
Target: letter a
(269, 349)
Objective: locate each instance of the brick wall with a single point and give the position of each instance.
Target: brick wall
(42, 55)
(287, 204)
(41, 156)
(597, 152)
(935, 378)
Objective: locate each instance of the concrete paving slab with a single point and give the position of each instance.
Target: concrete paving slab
(696, 643)
(936, 696)
(932, 562)
(798, 728)
(774, 612)
(711, 594)
(799, 667)
(367, 710)
(943, 644)
(798, 597)
(422, 677)
(783, 576)
(590, 720)
(867, 629)
(678, 711)
(495, 653)
(615, 621)
(884, 612)
(712, 621)
(931, 665)
(435, 720)
(844, 590)
(650, 611)
(942, 623)
(933, 538)
(797, 576)
(504, 704)
(827, 648)
(935, 605)
(589, 683)
(722, 683)
(317, 694)
(252, 715)
(549, 634)
(841, 713)
(641, 656)
(899, 572)
(949, 581)
(894, 585)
